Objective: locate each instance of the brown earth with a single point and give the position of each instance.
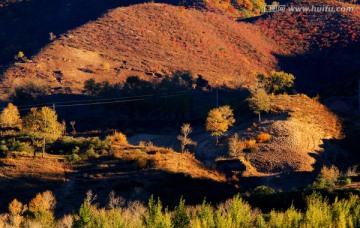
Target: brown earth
(150, 40)
(295, 139)
(299, 127)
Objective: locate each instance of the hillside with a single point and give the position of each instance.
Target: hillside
(169, 38)
(134, 172)
(301, 133)
(165, 39)
(320, 48)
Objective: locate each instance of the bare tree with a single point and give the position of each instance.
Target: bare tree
(72, 123)
(64, 127)
(236, 147)
(115, 202)
(184, 137)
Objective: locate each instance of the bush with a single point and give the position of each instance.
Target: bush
(263, 137)
(29, 92)
(117, 138)
(85, 214)
(343, 180)
(73, 158)
(22, 147)
(263, 190)
(327, 177)
(250, 143)
(83, 147)
(3, 150)
(141, 163)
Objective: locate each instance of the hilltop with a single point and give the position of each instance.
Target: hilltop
(167, 38)
(163, 40)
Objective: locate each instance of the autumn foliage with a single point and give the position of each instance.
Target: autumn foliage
(219, 120)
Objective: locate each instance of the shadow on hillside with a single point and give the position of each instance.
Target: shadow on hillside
(23, 189)
(132, 186)
(128, 181)
(135, 110)
(328, 72)
(26, 26)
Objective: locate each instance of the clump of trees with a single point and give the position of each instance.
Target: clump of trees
(219, 120)
(235, 212)
(329, 177)
(42, 126)
(277, 82)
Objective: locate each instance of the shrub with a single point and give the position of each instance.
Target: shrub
(343, 180)
(277, 82)
(318, 212)
(263, 137)
(90, 153)
(141, 163)
(263, 190)
(3, 150)
(327, 177)
(73, 158)
(234, 213)
(105, 66)
(250, 143)
(18, 146)
(117, 138)
(29, 92)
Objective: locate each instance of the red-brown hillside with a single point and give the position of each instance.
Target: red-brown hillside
(303, 31)
(148, 40)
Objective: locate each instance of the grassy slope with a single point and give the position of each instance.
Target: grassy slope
(168, 38)
(164, 39)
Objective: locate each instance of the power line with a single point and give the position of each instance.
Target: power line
(103, 99)
(101, 103)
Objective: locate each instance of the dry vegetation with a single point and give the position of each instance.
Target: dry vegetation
(287, 142)
(299, 32)
(164, 39)
(167, 160)
(168, 38)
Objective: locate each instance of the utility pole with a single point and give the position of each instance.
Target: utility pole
(217, 94)
(54, 107)
(217, 97)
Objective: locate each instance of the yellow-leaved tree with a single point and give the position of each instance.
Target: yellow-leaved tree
(259, 102)
(10, 117)
(42, 126)
(219, 120)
